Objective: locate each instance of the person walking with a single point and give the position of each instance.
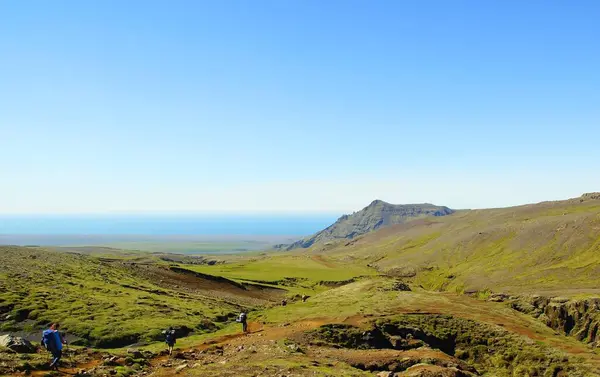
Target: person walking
(53, 340)
(170, 339)
(243, 319)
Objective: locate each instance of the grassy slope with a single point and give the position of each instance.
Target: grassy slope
(106, 300)
(551, 247)
(94, 299)
(309, 270)
(375, 298)
(111, 302)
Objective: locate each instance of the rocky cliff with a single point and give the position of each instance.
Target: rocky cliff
(579, 318)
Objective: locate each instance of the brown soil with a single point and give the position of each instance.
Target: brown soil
(163, 276)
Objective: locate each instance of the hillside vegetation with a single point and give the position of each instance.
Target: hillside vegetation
(111, 303)
(548, 248)
(390, 302)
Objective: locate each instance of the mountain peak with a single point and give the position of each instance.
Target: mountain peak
(374, 216)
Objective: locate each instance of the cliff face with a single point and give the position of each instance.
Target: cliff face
(376, 215)
(579, 318)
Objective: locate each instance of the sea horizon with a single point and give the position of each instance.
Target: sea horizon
(171, 224)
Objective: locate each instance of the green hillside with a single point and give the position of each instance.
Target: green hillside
(550, 248)
(111, 303)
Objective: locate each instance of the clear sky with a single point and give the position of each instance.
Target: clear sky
(296, 105)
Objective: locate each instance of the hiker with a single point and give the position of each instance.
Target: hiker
(243, 320)
(283, 302)
(53, 341)
(170, 339)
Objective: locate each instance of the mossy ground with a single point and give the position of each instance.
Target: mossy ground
(107, 303)
(549, 248)
(101, 304)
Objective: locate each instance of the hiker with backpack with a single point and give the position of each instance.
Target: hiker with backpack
(53, 341)
(242, 318)
(170, 339)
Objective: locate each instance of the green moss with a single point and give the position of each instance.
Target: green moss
(107, 306)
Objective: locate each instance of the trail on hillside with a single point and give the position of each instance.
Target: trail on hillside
(461, 307)
(321, 260)
(272, 332)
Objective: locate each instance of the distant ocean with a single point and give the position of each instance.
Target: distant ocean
(164, 225)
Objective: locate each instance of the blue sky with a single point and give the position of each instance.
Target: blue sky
(296, 106)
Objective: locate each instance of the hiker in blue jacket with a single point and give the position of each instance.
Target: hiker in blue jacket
(170, 339)
(53, 341)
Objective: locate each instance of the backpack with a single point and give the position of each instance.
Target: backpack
(242, 317)
(48, 339)
(170, 338)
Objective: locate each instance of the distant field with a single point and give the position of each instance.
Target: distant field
(158, 244)
(199, 247)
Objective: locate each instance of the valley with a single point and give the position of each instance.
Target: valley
(500, 292)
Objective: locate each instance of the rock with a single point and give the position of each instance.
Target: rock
(294, 348)
(591, 196)
(385, 374)
(121, 361)
(17, 344)
(180, 368)
(110, 361)
(401, 286)
(136, 354)
(560, 300)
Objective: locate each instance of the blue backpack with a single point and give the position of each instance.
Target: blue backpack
(170, 338)
(49, 339)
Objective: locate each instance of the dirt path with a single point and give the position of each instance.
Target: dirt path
(321, 260)
(461, 307)
(73, 371)
(268, 333)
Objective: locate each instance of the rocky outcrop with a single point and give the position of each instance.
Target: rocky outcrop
(590, 196)
(376, 215)
(579, 318)
(17, 344)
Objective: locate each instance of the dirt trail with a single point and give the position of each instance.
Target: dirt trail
(72, 371)
(267, 333)
(469, 309)
(321, 260)
(255, 329)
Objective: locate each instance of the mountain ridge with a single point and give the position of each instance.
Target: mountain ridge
(376, 215)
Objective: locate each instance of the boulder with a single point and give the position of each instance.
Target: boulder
(136, 354)
(180, 368)
(17, 344)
